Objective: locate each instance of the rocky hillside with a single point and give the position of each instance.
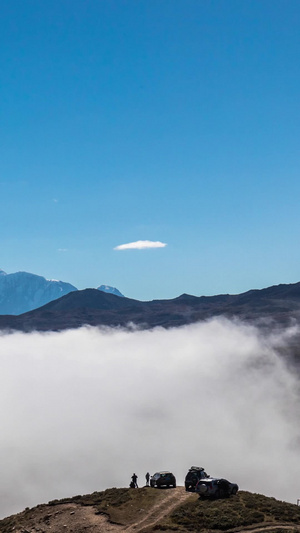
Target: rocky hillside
(147, 510)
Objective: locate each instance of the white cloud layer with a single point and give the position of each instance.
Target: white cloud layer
(82, 410)
(140, 245)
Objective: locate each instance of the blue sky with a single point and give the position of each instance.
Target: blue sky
(171, 121)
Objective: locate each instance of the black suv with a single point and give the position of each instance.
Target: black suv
(216, 488)
(163, 479)
(194, 475)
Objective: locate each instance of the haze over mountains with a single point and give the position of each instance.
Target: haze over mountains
(21, 292)
(71, 308)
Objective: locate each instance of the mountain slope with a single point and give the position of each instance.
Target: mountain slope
(21, 292)
(147, 510)
(279, 304)
(110, 290)
(92, 299)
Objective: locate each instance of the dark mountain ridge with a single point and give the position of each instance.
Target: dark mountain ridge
(89, 299)
(279, 304)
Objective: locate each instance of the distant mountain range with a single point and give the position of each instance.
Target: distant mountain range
(21, 292)
(278, 305)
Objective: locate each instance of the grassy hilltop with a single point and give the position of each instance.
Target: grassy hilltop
(147, 510)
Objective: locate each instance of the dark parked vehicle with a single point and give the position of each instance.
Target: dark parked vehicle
(194, 475)
(215, 488)
(163, 479)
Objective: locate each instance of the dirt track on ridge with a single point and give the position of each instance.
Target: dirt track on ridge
(173, 498)
(76, 518)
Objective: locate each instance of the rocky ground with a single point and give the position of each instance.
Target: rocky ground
(147, 510)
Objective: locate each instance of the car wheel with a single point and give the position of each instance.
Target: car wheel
(202, 489)
(234, 491)
(174, 485)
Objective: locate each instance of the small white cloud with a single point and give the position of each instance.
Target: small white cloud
(140, 245)
(62, 249)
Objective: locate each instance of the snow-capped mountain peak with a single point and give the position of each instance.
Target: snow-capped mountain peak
(22, 291)
(110, 290)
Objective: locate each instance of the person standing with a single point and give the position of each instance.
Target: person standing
(134, 480)
(147, 476)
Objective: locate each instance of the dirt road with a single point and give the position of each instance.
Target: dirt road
(75, 518)
(173, 498)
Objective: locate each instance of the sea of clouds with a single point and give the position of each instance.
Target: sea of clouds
(83, 409)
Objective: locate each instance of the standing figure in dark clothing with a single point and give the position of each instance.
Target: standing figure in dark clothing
(147, 476)
(134, 480)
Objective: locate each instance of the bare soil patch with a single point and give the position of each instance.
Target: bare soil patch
(147, 510)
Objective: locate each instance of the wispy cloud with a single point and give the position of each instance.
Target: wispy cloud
(62, 249)
(141, 245)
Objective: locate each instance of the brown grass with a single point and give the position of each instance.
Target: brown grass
(122, 506)
(245, 511)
